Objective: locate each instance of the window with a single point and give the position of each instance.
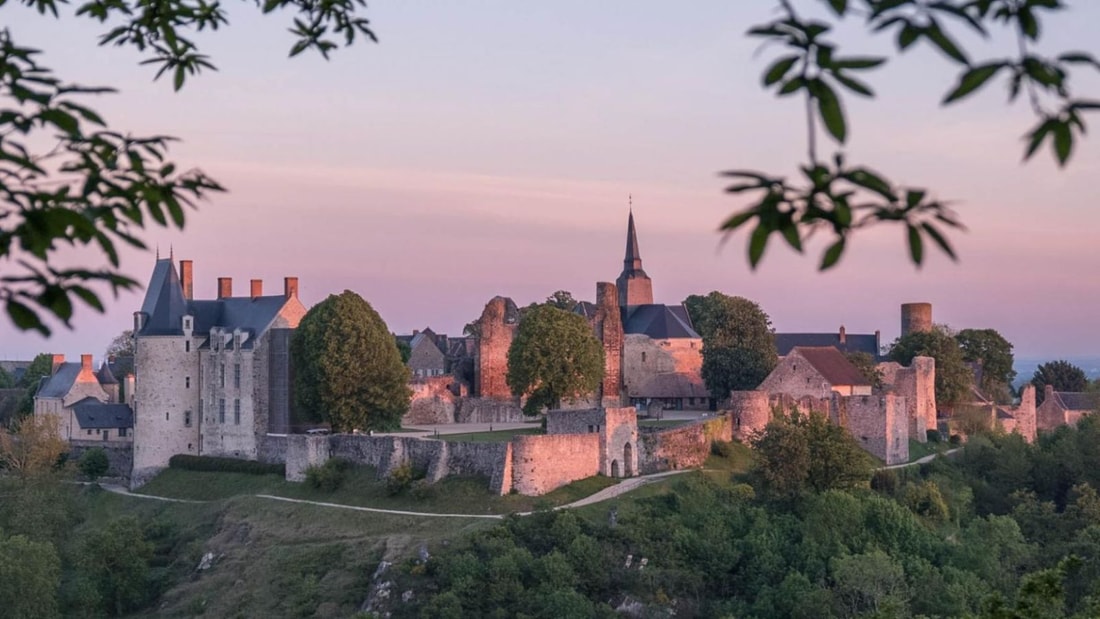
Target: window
(89, 432)
(166, 414)
(187, 418)
(222, 367)
(187, 382)
(237, 412)
(221, 410)
(643, 357)
(237, 375)
(187, 346)
(122, 432)
(106, 433)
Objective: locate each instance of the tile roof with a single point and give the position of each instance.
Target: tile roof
(659, 322)
(1077, 400)
(853, 342)
(92, 414)
(832, 364)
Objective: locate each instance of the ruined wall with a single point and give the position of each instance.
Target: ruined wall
(542, 463)
(618, 435)
(684, 447)
(750, 412)
(879, 423)
(1025, 414)
(120, 457)
(917, 384)
(644, 358)
(433, 401)
(1049, 415)
(497, 326)
(304, 451)
(490, 460)
(271, 448)
(480, 410)
(794, 376)
(608, 326)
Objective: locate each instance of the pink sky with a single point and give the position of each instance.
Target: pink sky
(489, 149)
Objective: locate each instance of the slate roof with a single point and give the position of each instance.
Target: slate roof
(165, 306)
(15, 368)
(586, 309)
(58, 384)
(104, 375)
(1077, 400)
(92, 414)
(659, 322)
(853, 342)
(833, 365)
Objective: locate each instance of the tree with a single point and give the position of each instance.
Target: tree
(405, 350)
(738, 346)
(6, 381)
(94, 463)
(68, 178)
(30, 573)
(953, 376)
(797, 453)
(122, 350)
(554, 355)
(348, 370)
(115, 559)
(1061, 374)
(33, 447)
(41, 366)
(994, 353)
(562, 299)
(865, 363)
(838, 198)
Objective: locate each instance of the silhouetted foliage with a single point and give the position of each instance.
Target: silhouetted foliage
(1061, 374)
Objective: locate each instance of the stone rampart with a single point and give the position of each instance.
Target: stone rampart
(120, 457)
(879, 423)
(542, 463)
(271, 448)
(750, 411)
(684, 447)
(917, 384)
(304, 451)
(490, 460)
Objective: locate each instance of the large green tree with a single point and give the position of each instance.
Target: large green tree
(41, 366)
(1061, 374)
(799, 453)
(953, 376)
(347, 369)
(30, 573)
(554, 356)
(738, 345)
(115, 561)
(994, 352)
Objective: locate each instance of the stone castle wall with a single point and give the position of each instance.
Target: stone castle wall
(917, 384)
(304, 451)
(684, 447)
(750, 412)
(608, 326)
(433, 401)
(481, 410)
(163, 401)
(120, 457)
(643, 358)
(491, 364)
(879, 423)
(541, 463)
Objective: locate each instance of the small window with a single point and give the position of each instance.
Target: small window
(222, 368)
(187, 346)
(89, 432)
(166, 414)
(187, 418)
(187, 382)
(237, 375)
(237, 412)
(122, 432)
(221, 411)
(643, 357)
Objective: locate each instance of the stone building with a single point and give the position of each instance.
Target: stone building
(870, 343)
(917, 384)
(427, 353)
(84, 402)
(1061, 408)
(816, 371)
(212, 376)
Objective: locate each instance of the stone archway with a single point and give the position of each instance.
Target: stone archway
(614, 468)
(628, 461)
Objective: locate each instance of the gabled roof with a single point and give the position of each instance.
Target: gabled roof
(94, 414)
(853, 342)
(58, 384)
(1077, 400)
(660, 322)
(833, 365)
(104, 375)
(164, 304)
(672, 385)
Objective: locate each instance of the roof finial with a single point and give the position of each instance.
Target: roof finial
(158, 251)
(630, 202)
(172, 252)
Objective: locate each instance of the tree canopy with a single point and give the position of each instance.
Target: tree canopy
(347, 369)
(562, 299)
(994, 353)
(738, 345)
(69, 178)
(1061, 374)
(953, 376)
(41, 366)
(553, 356)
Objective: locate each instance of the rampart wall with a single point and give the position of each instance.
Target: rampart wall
(120, 458)
(684, 447)
(541, 463)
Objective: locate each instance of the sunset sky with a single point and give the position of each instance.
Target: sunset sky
(488, 148)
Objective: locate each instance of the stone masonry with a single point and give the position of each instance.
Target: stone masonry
(498, 324)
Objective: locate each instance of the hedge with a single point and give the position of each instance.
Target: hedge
(225, 465)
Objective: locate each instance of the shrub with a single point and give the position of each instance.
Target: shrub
(723, 449)
(955, 439)
(885, 481)
(934, 436)
(94, 463)
(225, 465)
(422, 490)
(329, 476)
(401, 479)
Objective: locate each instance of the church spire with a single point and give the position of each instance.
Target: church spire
(635, 287)
(633, 259)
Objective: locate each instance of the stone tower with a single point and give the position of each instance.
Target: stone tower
(635, 287)
(916, 318)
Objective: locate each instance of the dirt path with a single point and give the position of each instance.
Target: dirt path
(620, 488)
(924, 460)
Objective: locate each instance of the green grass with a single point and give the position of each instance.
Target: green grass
(457, 495)
(498, 436)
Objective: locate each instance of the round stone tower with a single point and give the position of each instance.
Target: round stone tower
(751, 412)
(916, 318)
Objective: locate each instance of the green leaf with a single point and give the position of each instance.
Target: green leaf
(858, 63)
(779, 70)
(832, 114)
(839, 6)
(940, 39)
(1063, 142)
(832, 254)
(853, 84)
(757, 243)
(972, 80)
(25, 318)
(792, 85)
(916, 245)
(1036, 137)
(939, 239)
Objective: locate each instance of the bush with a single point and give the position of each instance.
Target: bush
(401, 479)
(955, 439)
(885, 481)
(723, 449)
(934, 436)
(94, 463)
(329, 476)
(422, 490)
(225, 465)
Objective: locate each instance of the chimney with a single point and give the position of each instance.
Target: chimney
(57, 361)
(86, 363)
(290, 287)
(1048, 392)
(187, 279)
(843, 336)
(225, 287)
(257, 288)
